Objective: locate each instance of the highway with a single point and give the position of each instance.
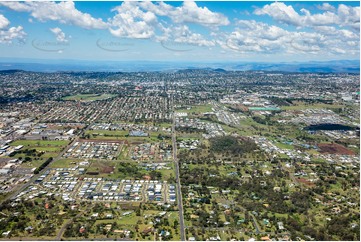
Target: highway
(179, 192)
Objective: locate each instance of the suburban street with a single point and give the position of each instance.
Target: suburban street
(179, 192)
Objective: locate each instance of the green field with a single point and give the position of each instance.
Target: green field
(64, 163)
(123, 135)
(107, 133)
(44, 150)
(311, 106)
(40, 143)
(284, 146)
(88, 97)
(197, 109)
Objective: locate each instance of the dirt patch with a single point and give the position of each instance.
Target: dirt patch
(107, 169)
(306, 182)
(101, 141)
(335, 149)
(137, 142)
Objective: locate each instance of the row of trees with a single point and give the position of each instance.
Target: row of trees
(42, 166)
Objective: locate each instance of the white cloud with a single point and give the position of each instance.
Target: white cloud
(17, 6)
(262, 30)
(349, 16)
(132, 22)
(140, 20)
(326, 7)
(281, 12)
(4, 22)
(7, 35)
(182, 34)
(63, 12)
(333, 30)
(256, 37)
(189, 12)
(345, 16)
(59, 34)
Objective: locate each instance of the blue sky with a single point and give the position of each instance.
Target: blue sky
(181, 31)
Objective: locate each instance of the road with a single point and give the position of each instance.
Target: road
(32, 180)
(63, 228)
(179, 192)
(256, 227)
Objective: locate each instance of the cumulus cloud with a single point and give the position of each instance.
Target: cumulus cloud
(7, 35)
(333, 30)
(59, 34)
(349, 16)
(345, 15)
(326, 7)
(252, 36)
(4, 22)
(140, 20)
(131, 21)
(182, 34)
(262, 30)
(189, 12)
(63, 12)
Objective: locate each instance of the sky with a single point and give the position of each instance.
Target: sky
(181, 31)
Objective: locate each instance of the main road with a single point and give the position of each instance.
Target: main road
(36, 176)
(179, 192)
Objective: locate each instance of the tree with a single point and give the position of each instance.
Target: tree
(27, 158)
(156, 175)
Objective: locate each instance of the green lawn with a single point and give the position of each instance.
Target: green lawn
(50, 149)
(188, 136)
(43, 143)
(164, 125)
(106, 134)
(284, 146)
(196, 109)
(166, 174)
(64, 163)
(311, 106)
(131, 219)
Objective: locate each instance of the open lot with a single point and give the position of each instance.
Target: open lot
(197, 109)
(35, 152)
(335, 149)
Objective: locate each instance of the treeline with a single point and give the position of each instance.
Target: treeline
(289, 101)
(27, 152)
(130, 169)
(42, 166)
(266, 120)
(189, 130)
(230, 144)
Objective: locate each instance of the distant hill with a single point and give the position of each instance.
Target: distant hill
(344, 66)
(10, 71)
(339, 66)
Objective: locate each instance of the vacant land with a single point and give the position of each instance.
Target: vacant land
(35, 152)
(335, 149)
(40, 143)
(197, 109)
